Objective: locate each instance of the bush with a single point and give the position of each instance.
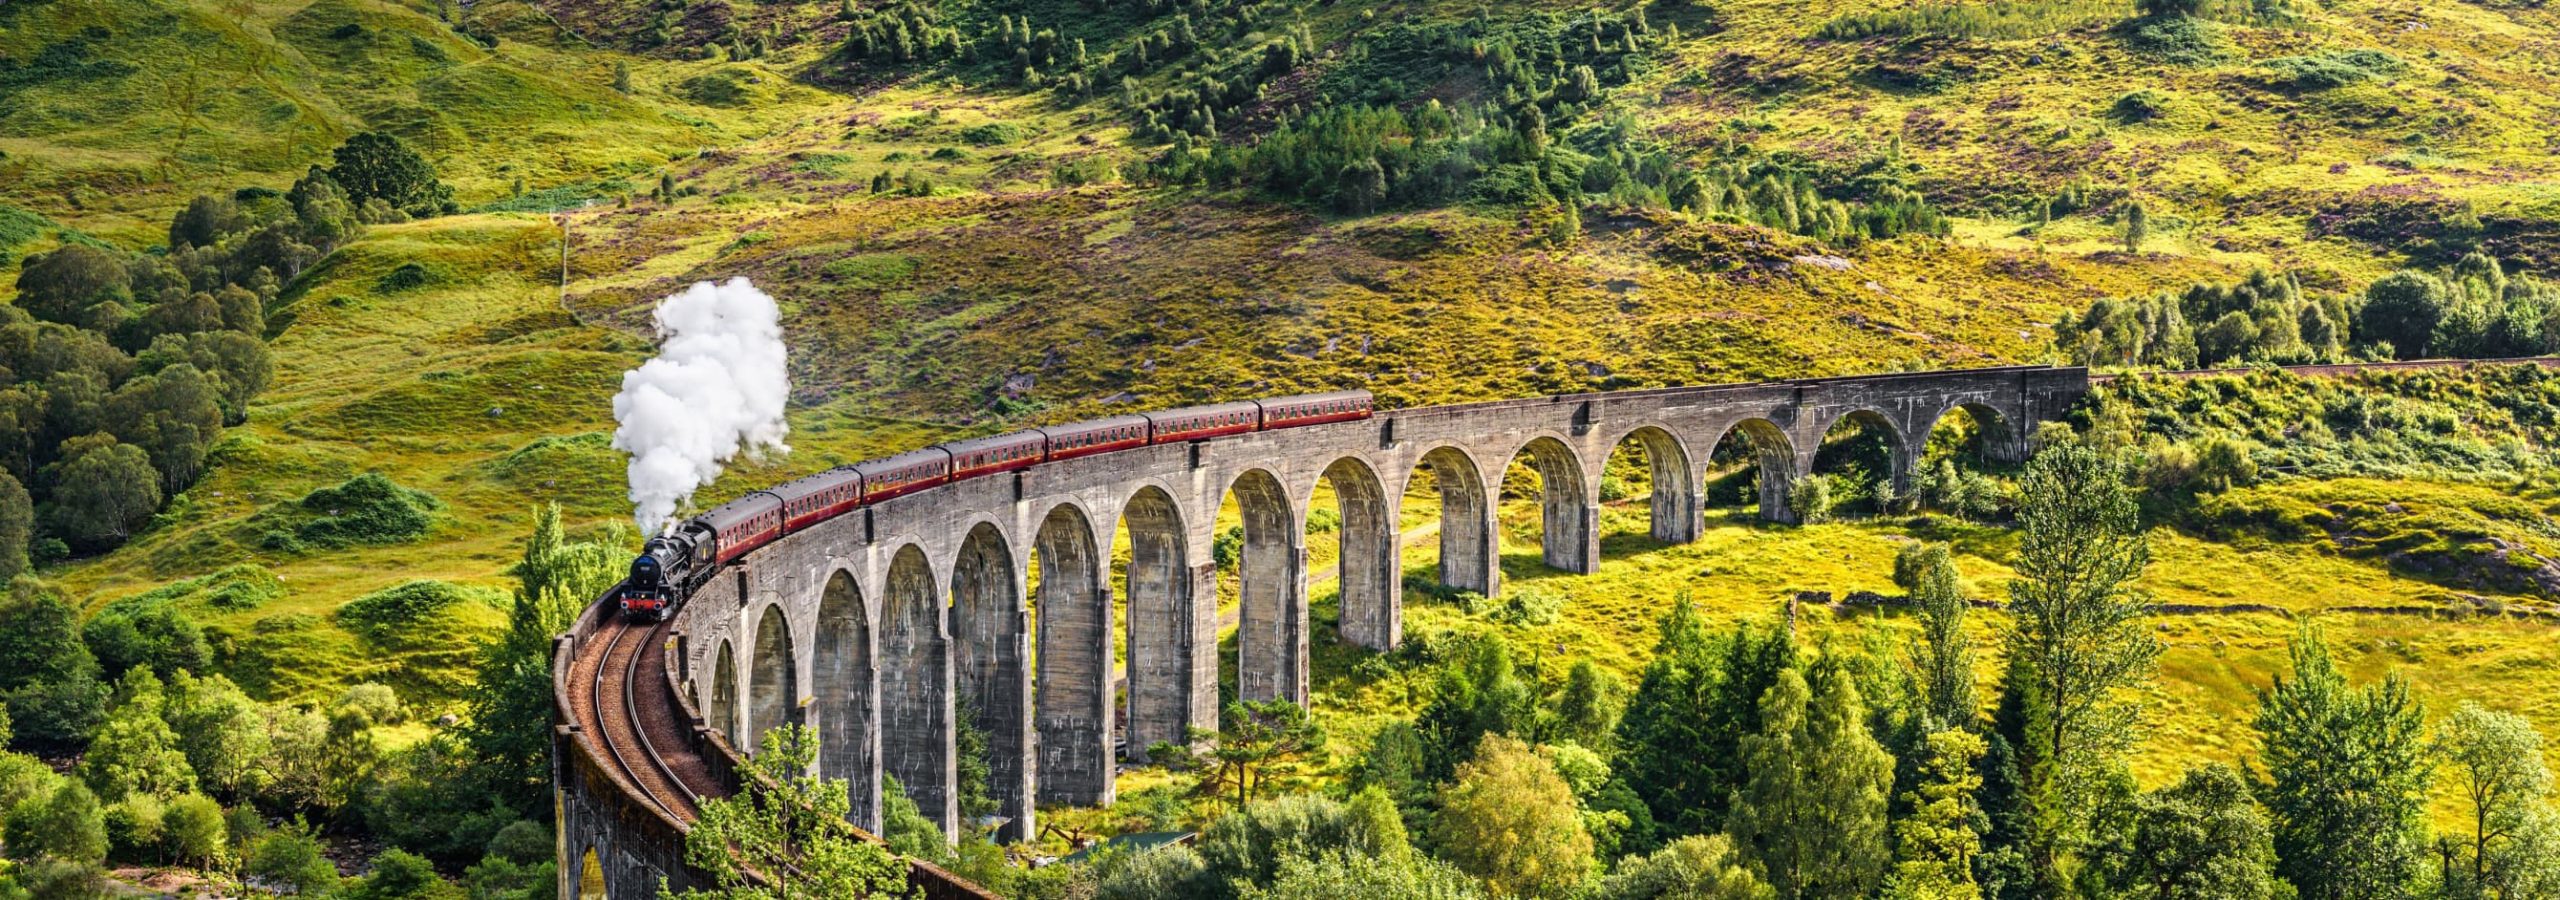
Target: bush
(991, 133)
(1810, 499)
(2331, 69)
(291, 855)
(379, 703)
(385, 613)
(366, 509)
(2177, 40)
(2140, 106)
(193, 831)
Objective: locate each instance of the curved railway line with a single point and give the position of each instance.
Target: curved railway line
(631, 713)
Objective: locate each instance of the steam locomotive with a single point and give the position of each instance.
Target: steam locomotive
(674, 564)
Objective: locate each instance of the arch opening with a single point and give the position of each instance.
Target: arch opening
(1567, 520)
(991, 650)
(1750, 470)
(846, 684)
(1266, 554)
(1965, 446)
(916, 740)
(722, 708)
(591, 885)
(773, 682)
(1368, 561)
(1649, 470)
(1071, 605)
(1172, 661)
(1863, 465)
(1468, 561)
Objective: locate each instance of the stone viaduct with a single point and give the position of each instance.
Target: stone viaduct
(995, 598)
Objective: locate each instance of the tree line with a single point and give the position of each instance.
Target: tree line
(2473, 309)
(119, 370)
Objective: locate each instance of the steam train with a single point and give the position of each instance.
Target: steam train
(674, 564)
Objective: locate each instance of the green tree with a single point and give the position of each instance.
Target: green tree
(49, 678)
(508, 708)
(2403, 309)
(2077, 640)
(1258, 737)
(1680, 738)
(1811, 810)
(1338, 874)
(195, 832)
(68, 283)
(292, 855)
(103, 491)
(787, 826)
(2347, 776)
(135, 752)
(2497, 764)
(221, 731)
(1697, 867)
(1248, 846)
(1942, 663)
(1477, 694)
(66, 824)
(2171, 7)
(1510, 819)
(1588, 709)
(376, 165)
(2201, 837)
(400, 875)
(2137, 220)
(17, 527)
(1935, 844)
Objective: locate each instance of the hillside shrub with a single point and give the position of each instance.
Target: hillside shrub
(2331, 69)
(2140, 106)
(403, 606)
(2177, 40)
(366, 509)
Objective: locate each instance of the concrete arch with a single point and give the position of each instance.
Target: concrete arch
(991, 663)
(1271, 614)
(1072, 711)
(846, 683)
(591, 881)
(916, 735)
(1468, 559)
(1897, 444)
(1676, 509)
(1774, 456)
(1569, 511)
(1996, 434)
(721, 708)
(1370, 564)
(773, 678)
(1173, 666)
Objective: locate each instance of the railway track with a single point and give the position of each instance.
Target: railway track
(634, 721)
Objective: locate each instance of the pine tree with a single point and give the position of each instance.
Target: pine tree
(2077, 637)
(1811, 810)
(2137, 227)
(1935, 844)
(621, 76)
(1943, 662)
(2347, 777)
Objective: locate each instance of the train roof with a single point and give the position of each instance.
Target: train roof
(797, 488)
(1204, 410)
(999, 440)
(1080, 427)
(727, 515)
(890, 463)
(1325, 397)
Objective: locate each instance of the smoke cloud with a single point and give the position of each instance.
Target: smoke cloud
(716, 389)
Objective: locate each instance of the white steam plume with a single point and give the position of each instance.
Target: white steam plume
(716, 388)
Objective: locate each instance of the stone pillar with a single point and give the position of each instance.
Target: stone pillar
(1776, 476)
(1173, 627)
(1074, 687)
(1470, 558)
(1271, 615)
(917, 743)
(1371, 568)
(1679, 515)
(846, 685)
(991, 656)
(1572, 532)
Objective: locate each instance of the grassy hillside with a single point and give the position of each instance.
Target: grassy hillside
(959, 251)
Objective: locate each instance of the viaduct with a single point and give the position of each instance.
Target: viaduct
(883, 627)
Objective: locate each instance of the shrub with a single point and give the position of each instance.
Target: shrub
(291, 855)
(2140, 106)
(366, 509)
(2177, 40)
(991, 133)
(2331, 69)
(1810, 499)
(386, 612)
